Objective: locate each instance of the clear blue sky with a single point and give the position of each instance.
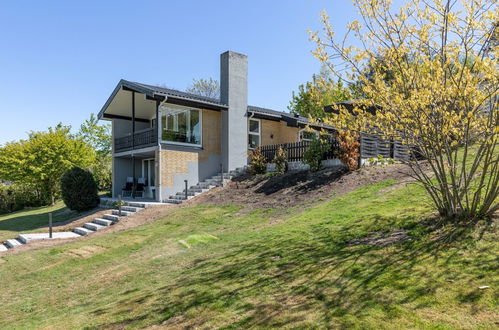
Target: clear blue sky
(60, 60)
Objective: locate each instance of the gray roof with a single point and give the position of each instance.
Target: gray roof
(290, 118)
(151, 90)
(177, 94)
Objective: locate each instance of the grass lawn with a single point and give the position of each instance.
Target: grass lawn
(29, 220)
(207, 266)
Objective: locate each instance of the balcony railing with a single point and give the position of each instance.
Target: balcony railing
(146, 138)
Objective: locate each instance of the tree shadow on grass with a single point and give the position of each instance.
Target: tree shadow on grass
(300, 181)
(61, 216)
(304, 280)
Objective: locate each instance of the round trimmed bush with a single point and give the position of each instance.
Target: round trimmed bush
(79, 190)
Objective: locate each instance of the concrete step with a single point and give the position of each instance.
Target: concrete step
(189, 193)
(131, 208)
(197, 190)
(93, 226)
(219, 177)
(123, 213)
(205, 185)
(12, 243)
(23, 239)
(102, 222)
(112, 217)
(181, 197)
(214, 183)
(3, 248)
(136, 204)
(82, 231)
(173, 201)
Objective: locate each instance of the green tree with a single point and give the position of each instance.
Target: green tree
(99, 137)
(205, 87)
(42, 159)
(314, 95)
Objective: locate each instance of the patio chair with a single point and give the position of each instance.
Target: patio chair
(128, 188)
(139, 190)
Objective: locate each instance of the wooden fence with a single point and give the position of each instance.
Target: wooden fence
(295, 151)
(372, 145)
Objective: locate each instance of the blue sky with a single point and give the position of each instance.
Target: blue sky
(60, 60)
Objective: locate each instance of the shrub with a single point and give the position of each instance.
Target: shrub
(281, 160)
(258, 163)
(15, 197)
(349, 149)
(315, 152)
(79, 190)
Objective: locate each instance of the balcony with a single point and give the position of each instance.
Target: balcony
(143, 139)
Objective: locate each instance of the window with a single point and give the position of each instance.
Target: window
(308, 135)
(253, 133)
(181, 125)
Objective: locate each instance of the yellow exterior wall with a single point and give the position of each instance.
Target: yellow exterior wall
(280, 132)
(177, 162)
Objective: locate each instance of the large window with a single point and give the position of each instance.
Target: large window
(181, 125)
(253, 133)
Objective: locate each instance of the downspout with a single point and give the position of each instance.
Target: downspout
(134, 187)
(158, 123)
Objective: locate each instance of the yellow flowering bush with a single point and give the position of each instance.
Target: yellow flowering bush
(430, 69)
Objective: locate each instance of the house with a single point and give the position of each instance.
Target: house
(162, 137)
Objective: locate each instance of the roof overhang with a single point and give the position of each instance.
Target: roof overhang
(151, 94)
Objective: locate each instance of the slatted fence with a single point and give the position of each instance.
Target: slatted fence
(372, 145)
(295, 151)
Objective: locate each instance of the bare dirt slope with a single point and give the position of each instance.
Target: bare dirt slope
(294, 189)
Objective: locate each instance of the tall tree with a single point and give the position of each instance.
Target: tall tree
(41, 160)
(98, 136)
(441, 98)
(314, 95)
(205, 87)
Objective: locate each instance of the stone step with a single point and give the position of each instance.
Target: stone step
(102, 222)
(136, 204)
(123, 213)
(111, 217)
(131, 208)
(82, 231)
(12, 243)
(23, 239)
(173, 201)
(214, 183)
(3, 248)
(219, 177)
(93, 226)
(205, 185)
(197, 190)
(189, 193)
(181, 196)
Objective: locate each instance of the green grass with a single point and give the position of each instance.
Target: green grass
(254, 270)
(32, 219)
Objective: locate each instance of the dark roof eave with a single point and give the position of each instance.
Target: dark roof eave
(154, 94)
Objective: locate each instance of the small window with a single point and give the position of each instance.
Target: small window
(253, 133)
(308, 135)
